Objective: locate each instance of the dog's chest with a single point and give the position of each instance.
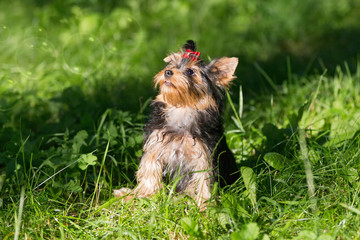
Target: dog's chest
(181, 119)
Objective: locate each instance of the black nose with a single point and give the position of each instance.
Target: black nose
(168, 73)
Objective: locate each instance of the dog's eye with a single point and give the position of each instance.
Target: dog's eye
(190, 72)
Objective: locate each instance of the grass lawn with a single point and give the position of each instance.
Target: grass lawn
(76, 83)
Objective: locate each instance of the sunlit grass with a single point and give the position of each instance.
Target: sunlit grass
(277, 199)
(75, 85)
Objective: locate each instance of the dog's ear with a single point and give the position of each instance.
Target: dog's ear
(174, 57)
(222, 70)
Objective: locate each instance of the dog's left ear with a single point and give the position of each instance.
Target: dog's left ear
(223, 70)
(173, 57)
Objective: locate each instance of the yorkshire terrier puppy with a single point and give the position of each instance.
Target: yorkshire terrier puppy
(184, 140)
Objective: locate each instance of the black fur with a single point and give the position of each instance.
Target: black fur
(190, 44)
(177, 173)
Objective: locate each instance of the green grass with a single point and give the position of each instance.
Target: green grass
(75, 85)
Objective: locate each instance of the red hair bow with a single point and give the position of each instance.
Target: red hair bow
(192, 55)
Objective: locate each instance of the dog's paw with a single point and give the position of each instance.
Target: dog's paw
(121, 192)
(124, 193)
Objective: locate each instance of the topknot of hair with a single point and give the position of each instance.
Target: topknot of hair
(190, 44)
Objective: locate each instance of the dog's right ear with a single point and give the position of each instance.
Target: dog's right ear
(223, 70)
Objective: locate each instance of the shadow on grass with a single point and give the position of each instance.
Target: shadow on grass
(59, 131)
(77, 109)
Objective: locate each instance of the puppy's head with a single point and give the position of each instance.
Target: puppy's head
(187, 81)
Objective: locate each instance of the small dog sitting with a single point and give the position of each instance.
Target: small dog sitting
(184, 140)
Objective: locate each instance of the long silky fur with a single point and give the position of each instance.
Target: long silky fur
(184, 140)
(208, 128)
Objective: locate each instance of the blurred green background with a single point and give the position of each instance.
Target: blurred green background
(64, 63)
(113, 48)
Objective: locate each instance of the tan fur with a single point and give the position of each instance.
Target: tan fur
(200, 186)
(174, 57)
(177, 94)
(225, 67)
(156, 156)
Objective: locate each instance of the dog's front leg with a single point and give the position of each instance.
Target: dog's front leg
(148, 176)
(199, 187)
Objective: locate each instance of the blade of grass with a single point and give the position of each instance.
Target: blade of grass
(98, 178)
(314, 95)
(352, 209)
(43, 182)
(241, 102)
(103, 117)
(267, 77)
(238, 121)
(308, 169)
(20, 212)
